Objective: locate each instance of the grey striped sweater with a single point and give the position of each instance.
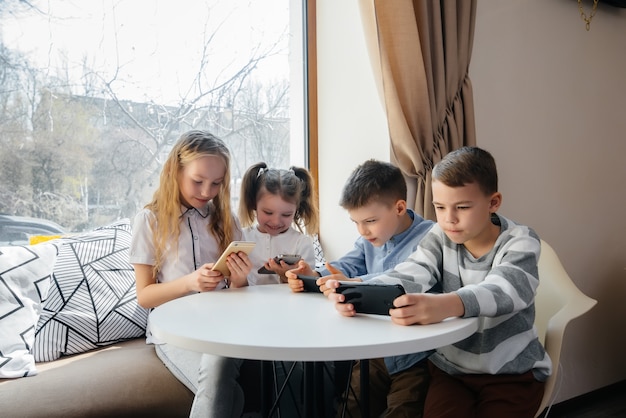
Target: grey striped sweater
(498, 287)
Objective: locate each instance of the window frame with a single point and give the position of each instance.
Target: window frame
(310, 68)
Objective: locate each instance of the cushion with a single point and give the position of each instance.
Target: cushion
(320, 261)
(92, 300)
(25, 273)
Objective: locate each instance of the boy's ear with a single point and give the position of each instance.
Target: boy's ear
(495, 202)
(401, 207)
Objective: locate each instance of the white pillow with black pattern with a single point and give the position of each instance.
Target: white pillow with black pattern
(92, 301)
(25, 273)
(320, 261)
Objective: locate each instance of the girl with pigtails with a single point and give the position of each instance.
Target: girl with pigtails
(278, 210)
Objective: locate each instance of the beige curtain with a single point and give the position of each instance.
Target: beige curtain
(420, 51)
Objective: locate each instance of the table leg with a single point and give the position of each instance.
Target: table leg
(320, 389)
(365, 388)
(314, 390)
(309, 389)
(267, 383)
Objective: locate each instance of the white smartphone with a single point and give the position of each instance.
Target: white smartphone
(233, 247)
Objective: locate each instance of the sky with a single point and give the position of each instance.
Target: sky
(156, 44)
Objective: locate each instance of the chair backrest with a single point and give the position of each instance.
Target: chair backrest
(558, 301)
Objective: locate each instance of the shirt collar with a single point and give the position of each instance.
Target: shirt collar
(185, 211)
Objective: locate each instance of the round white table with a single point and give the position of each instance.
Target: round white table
(272, 323)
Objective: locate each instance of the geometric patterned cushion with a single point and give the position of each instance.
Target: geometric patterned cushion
(320, 261)
(92, 300)
(25, 273)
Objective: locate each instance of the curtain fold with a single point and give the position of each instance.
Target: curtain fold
(423, 49)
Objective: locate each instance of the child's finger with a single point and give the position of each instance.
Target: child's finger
(332, 269)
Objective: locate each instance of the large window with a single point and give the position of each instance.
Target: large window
(94, 93)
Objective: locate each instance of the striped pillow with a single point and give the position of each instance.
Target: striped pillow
(25, 273)
(92, 300)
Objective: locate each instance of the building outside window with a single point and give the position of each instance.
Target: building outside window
(94, 94)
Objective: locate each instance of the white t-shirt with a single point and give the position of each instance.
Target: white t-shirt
(267, 246)
(196, 246)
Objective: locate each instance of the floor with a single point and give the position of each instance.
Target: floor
(608, 402)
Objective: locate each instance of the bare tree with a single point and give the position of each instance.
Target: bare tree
(90, 146)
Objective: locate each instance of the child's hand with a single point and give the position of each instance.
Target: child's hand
(426, 308)
(204, 279)
(302, 269)
(280, 268)
(334, 275)
(239, 265)
(345, 309)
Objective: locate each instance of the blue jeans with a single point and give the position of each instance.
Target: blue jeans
(213, 380)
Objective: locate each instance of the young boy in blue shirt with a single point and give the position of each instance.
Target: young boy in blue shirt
(375, 197)
(487, 267)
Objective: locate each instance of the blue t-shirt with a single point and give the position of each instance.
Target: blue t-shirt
(367, 261)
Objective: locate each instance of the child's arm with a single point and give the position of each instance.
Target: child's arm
(426, 308)
(336, 275)
(422, 269)
(304, 269)
(151, 294)
(417, 274)
(509, 286)
(352, 264)
(410, 308)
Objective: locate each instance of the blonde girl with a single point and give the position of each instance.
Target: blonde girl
(176, 239)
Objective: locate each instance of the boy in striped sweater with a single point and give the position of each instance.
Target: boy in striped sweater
(487, 267)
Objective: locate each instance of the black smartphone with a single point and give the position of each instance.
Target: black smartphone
(287, 258)
(370, 298)
(310, 284)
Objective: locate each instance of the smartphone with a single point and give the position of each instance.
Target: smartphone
(310, 283)
(287, 258)
(233, 247)
(370, 298)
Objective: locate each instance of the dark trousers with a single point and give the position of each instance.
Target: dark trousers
(392, 396)
(482, 395)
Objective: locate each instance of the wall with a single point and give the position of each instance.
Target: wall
(352, 124)
(550, 105)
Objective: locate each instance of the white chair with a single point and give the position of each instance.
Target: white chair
(558, 301)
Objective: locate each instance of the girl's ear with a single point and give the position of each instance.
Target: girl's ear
(495, 202)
